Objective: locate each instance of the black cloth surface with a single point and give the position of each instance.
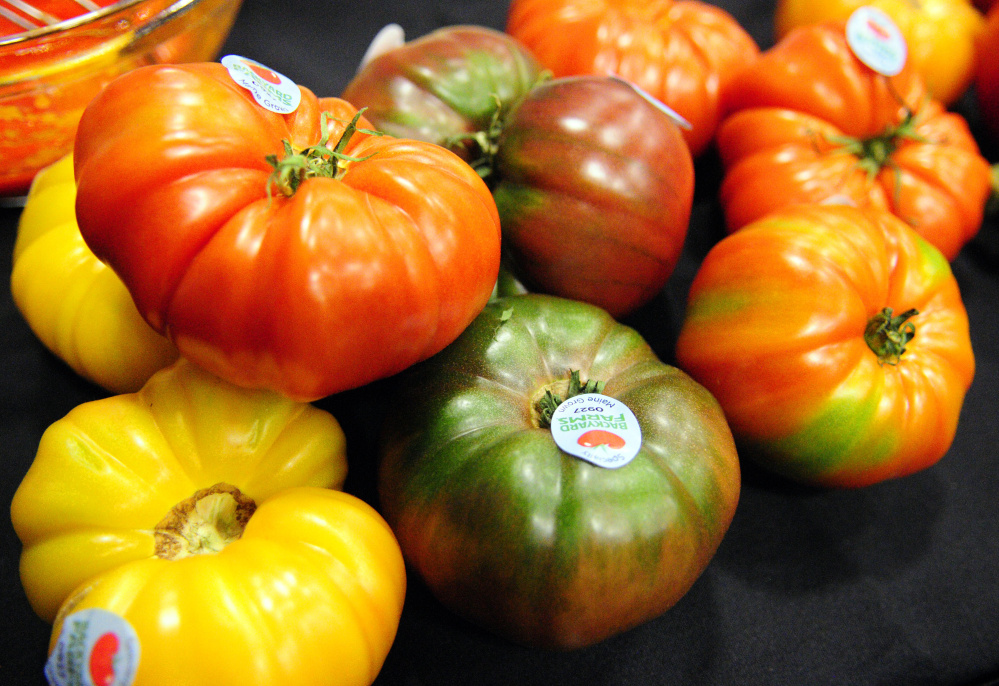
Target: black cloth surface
(890, 585)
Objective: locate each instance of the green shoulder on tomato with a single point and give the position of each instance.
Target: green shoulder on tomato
(522, 538)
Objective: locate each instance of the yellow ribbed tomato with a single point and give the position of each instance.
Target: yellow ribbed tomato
(107, 474)
(77, 307)
(940, 34)
(203, 517)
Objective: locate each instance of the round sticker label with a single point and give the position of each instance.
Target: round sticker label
(598, 429)
(96, 647)
(677, 118)
(272, 90)
(876, 40)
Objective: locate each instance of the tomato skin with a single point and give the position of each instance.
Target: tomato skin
(107, 472)
(529, 542)
(76, 306)
(775, 329)
(444, 84)
(987, 73)
(595, 188)
(683, 53)
(264, 291)
(316, 573)
(781, 142)
(940, 35)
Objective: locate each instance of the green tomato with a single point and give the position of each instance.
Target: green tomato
(445, 84)
(523, 539)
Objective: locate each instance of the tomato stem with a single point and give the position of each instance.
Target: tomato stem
(483, 145)
(887, 335)
(205, 523)
(875, 153)
(546, 405)
(319, 160)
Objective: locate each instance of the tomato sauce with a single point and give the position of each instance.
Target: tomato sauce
(19, 16)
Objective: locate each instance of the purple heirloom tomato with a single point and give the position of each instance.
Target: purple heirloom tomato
(528, 541)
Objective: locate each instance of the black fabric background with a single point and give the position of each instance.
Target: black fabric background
(892, 585)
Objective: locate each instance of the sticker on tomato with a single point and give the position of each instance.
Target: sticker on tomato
(876, 40)
(597, 428)
(96, 647)
(273, 91)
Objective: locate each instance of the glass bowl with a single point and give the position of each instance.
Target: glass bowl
(49, 74)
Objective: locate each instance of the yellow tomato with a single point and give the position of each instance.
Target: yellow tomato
(77, 307)
(108, 476)
(940, 34)
(310, 595)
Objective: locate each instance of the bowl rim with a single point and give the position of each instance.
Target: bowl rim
(86, 18)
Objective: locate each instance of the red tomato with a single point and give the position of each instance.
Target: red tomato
(683, 53)
(306, 285)
(987, 72)
(809, 122)
(594, 187)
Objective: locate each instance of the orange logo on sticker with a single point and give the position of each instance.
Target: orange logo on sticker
(596, 437)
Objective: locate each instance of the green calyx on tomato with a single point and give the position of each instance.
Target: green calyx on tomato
(205, 523)
(875, 153)
(887, 335)
(549, 402)
(317, 160)
(481, 147)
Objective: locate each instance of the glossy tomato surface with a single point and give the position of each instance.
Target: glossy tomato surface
(594, 187)
(308, 286)
(940, 35)
(450, 82)
(809, 122)
(76, 306)
(785, 325)
(987, 73)
(683, 53)
(528, 541)
(108, 472)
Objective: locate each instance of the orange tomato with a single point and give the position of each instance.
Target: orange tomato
(809, 122)
(683, 53)
(940, 34)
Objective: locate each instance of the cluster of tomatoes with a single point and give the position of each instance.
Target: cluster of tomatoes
(474, 216)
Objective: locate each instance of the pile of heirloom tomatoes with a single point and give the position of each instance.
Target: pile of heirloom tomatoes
(468, 224)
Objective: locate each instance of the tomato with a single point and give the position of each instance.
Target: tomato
(940, 35)
(836, 341)
(683, 53)
(76, 305)
(594, 186)
(106, 473)
(453, 81)
(987, 74)
(311, 593)
(532, 543)
(203, 515)
(809, 122)
(593, 181)
(288, 268)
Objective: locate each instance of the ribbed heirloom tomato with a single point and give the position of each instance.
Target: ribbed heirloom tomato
(940, 35)
(525, 539)
(203, 519)
(287, 251)
(987, 73)
(453, 81)
(809, 122)
(683, 53)
(74, 303)
(592, 179)
(836, 341)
